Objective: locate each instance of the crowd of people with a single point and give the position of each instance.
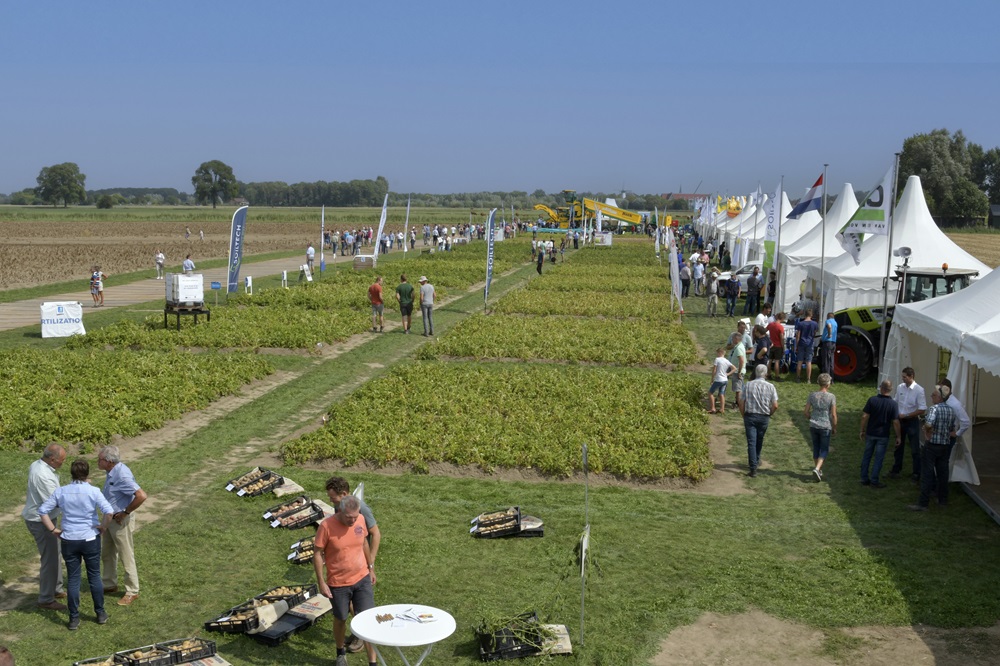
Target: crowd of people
(79, 539)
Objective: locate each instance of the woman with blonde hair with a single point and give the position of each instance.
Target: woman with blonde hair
(821, 410)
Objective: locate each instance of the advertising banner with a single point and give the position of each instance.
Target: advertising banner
(236, 247)
(62, 319)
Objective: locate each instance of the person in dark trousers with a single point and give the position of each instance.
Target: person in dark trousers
(880, 414)
(939, 427)
(541, 260)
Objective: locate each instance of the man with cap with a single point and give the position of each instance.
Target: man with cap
(427, 304)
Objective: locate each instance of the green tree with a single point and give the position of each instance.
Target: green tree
(214, 181)
(61, 183)
(986, 174)
(944, 163)
(105, 201)
(25, 197)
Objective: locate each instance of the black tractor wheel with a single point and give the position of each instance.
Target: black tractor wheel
(852, 359)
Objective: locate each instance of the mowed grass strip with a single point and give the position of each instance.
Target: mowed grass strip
(519, 416)
(587, 340)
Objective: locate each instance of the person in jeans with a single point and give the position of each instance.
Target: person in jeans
(939, 427)
(754, 284)
(80, 537)
(758, 403)
(880, 414)
(427, 305)
(912, 404)
(733, 291)
(821, 410)
(828, 344)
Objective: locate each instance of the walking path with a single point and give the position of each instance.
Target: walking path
(28, 312)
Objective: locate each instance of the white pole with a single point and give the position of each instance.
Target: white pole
(821, 315)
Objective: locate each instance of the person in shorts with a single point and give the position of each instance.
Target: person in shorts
(378, 307)
(721, 370)
(776, 332)
(344, 569)
(404, 296)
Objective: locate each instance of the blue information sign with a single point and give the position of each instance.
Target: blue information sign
(216, 285)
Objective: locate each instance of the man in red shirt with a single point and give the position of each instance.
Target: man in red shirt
(776, 331)
(341, 553)
(378, 307)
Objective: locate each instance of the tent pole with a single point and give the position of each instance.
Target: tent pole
(888, 267)
(822, 255)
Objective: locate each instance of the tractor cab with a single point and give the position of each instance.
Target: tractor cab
(921, 284)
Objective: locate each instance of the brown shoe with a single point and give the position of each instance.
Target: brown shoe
(111, 590)
(128, 599)
(53, 605)
(60, 595)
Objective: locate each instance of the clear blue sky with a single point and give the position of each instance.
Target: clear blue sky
(452, 96)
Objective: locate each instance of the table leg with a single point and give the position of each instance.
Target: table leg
(423, 656)
(378, 654)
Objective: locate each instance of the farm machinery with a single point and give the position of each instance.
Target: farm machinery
(859, 329)
(576, 210)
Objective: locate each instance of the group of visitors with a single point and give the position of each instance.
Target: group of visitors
(404, 298)
(79, 537)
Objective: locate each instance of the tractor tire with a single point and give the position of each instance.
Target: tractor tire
(852, 359)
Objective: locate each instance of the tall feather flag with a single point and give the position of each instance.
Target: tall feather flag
(813, 200)
(872, 217)
(322, 239)
(656, 223)
(772, 209)
(675, 271)
(490, 228)
(381, 225)
(406, 226)
(236, 236)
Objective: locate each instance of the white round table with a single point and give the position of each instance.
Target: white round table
(412, 625)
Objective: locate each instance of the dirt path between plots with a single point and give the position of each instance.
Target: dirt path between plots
(758, 639)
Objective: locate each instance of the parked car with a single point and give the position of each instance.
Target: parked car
(745, 271)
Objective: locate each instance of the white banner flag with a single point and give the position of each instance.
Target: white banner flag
(871, 218)
(377, 241)
(675, 272)
(406, 227)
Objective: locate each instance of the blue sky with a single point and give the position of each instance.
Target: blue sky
(469, 96)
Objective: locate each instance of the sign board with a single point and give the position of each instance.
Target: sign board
(216, 285)
(62, 319)
(364, 261)
(185, 288)
(603, 238)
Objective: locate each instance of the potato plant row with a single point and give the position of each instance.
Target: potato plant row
(642, 305)
(615, 341)
(86, 396)
(637, 424)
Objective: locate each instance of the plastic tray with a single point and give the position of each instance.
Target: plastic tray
(504, 645)
(96, 661)
(279, 632)
(301, 556)
(162, 658)
(283, 507)
(497, 517)
(270, 482)
(225, 623)
(307, 515)
(239, 482)
(299, 594)
(199, 650)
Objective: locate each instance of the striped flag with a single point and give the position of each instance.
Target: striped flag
(813, 200)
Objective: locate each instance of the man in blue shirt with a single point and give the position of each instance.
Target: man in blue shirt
(827, 345)
(125, 495)
(880, 413)
(80, 537)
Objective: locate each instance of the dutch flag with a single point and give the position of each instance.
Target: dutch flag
(811, 201)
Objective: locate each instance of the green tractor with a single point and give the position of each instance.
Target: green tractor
(859, 329)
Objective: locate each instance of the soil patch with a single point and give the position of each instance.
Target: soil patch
(758, 639)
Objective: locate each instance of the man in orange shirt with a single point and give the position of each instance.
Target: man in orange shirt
(378, 307)
(341, 551)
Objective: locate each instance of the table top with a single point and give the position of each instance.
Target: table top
(435, 625)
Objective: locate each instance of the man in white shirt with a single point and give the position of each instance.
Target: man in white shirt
(699, 276)
(763, 317)
(43, 480)
(912, 404)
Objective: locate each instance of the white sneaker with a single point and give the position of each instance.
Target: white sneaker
(818, 474)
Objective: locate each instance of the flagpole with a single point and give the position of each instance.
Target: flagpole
(777, 247)
(888, 266)
(756, 216)
(821, 315)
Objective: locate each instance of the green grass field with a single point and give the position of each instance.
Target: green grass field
(828, 555)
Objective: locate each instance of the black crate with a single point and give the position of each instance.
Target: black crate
(265, 484)
(96, 661)
(279, 632)
(239, 482)
(161, 658)
(228, 624)
(497, 517)
(298, 594)
(199, 649)
(304, 516)
(278, 509)
(301, 556)
(303, 543)
(503, 644)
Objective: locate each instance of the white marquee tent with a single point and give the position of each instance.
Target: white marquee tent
(808, 250)
(967, 326)
(848, 285)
